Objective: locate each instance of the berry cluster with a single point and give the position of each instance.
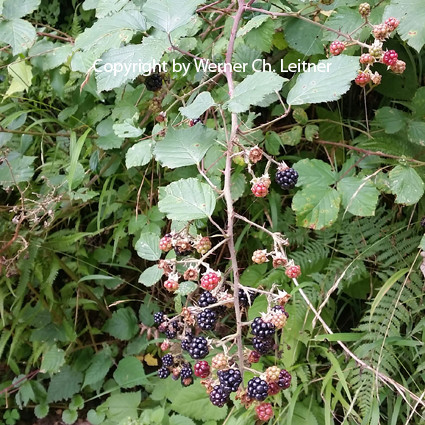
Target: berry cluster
(153, 82)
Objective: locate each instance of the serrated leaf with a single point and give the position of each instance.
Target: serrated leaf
(186, 288)
(147, 247)
(104, 7)
(326, 86)
(129, 373)
(261, 38)
(77, 402)
(203, 102)
(64, 384)
(195, 404)
(304, 37)
(237, 186)
(127, 129)
(110, 32)
(21, 74)
(314, 172)
(182, 147)
(406, 184)
(123, 324)
(151, 275)
(99, 367)
(244, 95)
(107, 138)
(139, 154)
(167, 15)
(359, 196)
(95, 418)
(187, 199)
(347, 20)
(124, 64)
(254, 22)
(18, 168)
(122, 407)
(311, 131)
(392, 120)
(180, 420)
(69, 416)
(416, 132)
(18, 33)
(292, 137)
(13, 9)
(41, 410)
(412, 15)
(46, 55)
(52, 360)
(316, 207)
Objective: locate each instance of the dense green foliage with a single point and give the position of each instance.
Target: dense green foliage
(95, 169)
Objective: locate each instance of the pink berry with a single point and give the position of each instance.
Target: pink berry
(392, 23)
(362, 78)
(366, 59)
(165, 243)
(264, 411)
(399, 67)
(380, 32)
(260, 190)
(390, 57)
(336, 47)
(171, 285)
(210, 280)
(293, 271)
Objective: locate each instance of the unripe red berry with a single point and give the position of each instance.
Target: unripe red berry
(202, 369)
(171, 285)
(264, 411)
(259, 189)
(362, 78)
(392, 23)
(210, 280)
(390, 57)
(293, 271)
(165, 243)
(399, 67)
(380, 32)
(336, 47)
(366, 59)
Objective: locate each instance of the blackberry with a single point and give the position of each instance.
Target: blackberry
(284, 379)
(186, 371)
(287, 178)
(263, 346)
(207, 319)
(244, 299)
(280, 309)
(262, 329)
(159, 317)
(171, 331)
(163, 373)
(198, 348)
(218, 396)
(153, 82)
(230, 379)
(206, 299)
(186, 342)
(257, 388)
(168, 360)
(202, 369)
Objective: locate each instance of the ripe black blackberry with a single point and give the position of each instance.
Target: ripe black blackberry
(168, 360)
(218, 396)
(207, 319)
(186, 371)
(159, 317)
(257, 388)
(153, 82)
(186, 342)
(284, 380)
(263, 346)
(198, 348)
(163, 373)
(245, 299)
(286, 178)
(230, 379)
(206, 299)
(171, 331)
(262, 329)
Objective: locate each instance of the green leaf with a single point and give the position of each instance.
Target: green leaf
(416, 132)
(75, 148)
(104, 7)
(328, 82)
(167, 15)
(147, 247)
(261, 38)
(21, 74)
(412, 15)
(41, 410)
(46, 55)
(13, 9)
(107, 137)
(311, 132)
(123, 324)
(69, 416)
(187, 199)
(129, 373)
(418, 103)
(124, 64)
(52, 360)
(120, 407)
(422, 243)
(314, 172)
(203, 102)
(139, 154)
(292, 137)
(127, 129)
(304, 37)
(346, 20)
(194, 403)
(180, 420)
(182, 147)
(244, 96)
(95, 418)
(151, 275)
(254, 22)
(110, 32)
(406, 184)
(16, 169)
(316, 207)
(186, 288)
(237, 186)
(391, 120)
(99, 367)
(64, 384)
(77, 402)
(18, 33)
(359, 196)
